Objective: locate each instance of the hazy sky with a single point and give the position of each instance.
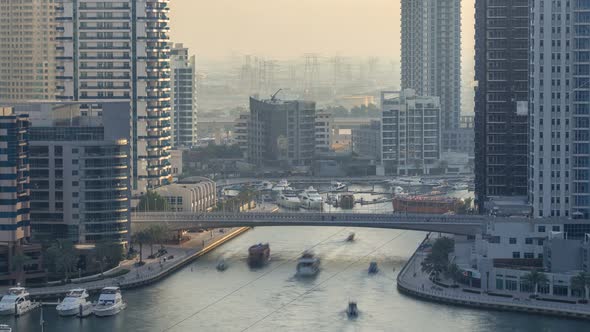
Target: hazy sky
(288, 28)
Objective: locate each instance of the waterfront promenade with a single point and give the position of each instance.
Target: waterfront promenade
(153, 269)
(412, 281)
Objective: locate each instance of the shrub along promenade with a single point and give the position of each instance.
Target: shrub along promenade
(413, 281)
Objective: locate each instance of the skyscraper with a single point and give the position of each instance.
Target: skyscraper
(431, 56)
(501, 97)
(559, 175)
(119, 51)
(27, 50)
(183, 97)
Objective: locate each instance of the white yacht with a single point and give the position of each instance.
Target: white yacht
(5, 328)
(289, 199)
(461, 186)
(110, 302)
(15, 302)
(282, 185)
(338, 186)
(311, 199)
(308, 265)
(75, 303)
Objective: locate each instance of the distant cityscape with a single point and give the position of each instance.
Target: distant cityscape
(103, 116)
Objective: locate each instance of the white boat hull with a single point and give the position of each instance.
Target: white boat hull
(289, 204)
(311, 205)
(108, 311)
(75, 311)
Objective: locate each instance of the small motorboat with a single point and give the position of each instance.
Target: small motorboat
(373, 268)
(258, 255)
(350, 237)
(352, 311)
(221, 266)
(308, 265)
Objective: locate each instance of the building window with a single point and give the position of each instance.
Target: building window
(494, 239)
(511, 285)
(555, 228)
(512, 240)
(541, 229)
(516, 254)
(540, 241)
(528, 240)
(540, 256)
(499, 284)
(559, 290)
(74, 183)
(529, 255)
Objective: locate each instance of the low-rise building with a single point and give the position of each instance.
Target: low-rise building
(80, 172)
(195, 194)
(411, 132)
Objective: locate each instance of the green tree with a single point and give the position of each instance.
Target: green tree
(453, 272)
(152, 201)
(582, 282)
(62, 257)
(141, 238)
(156, 234)
(438, 260)
(107, 254)
(535, 278)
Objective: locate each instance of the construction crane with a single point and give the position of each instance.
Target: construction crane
(273, 97)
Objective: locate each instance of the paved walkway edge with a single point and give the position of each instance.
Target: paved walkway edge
(148, 278)
(434, 296)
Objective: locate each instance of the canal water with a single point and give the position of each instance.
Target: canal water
(199, 298)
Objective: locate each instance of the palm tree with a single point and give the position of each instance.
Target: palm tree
(582, 282)
(454, 272)
(140, 238)
(535, 278)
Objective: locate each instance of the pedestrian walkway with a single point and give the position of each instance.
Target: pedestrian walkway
(153, 269)
(413, 281)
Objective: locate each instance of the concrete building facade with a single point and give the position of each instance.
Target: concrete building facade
(80, 183)
(323, 131)
(281, 133)
(366, 140)
(118, 50)
(411, 132)
(501, 97)
(431, 55)
(559, 159)
(15, 221)
(197, 194)
(183, 84)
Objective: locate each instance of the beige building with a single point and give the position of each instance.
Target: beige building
(27, 50)
(195, 194)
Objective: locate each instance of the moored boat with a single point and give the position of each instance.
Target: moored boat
(110, 302)
(350, 237)
(338, 186)
(310, 198)
(221, 265)
(288, 199)
(15, 302)
(75, 303)
(373, 268)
